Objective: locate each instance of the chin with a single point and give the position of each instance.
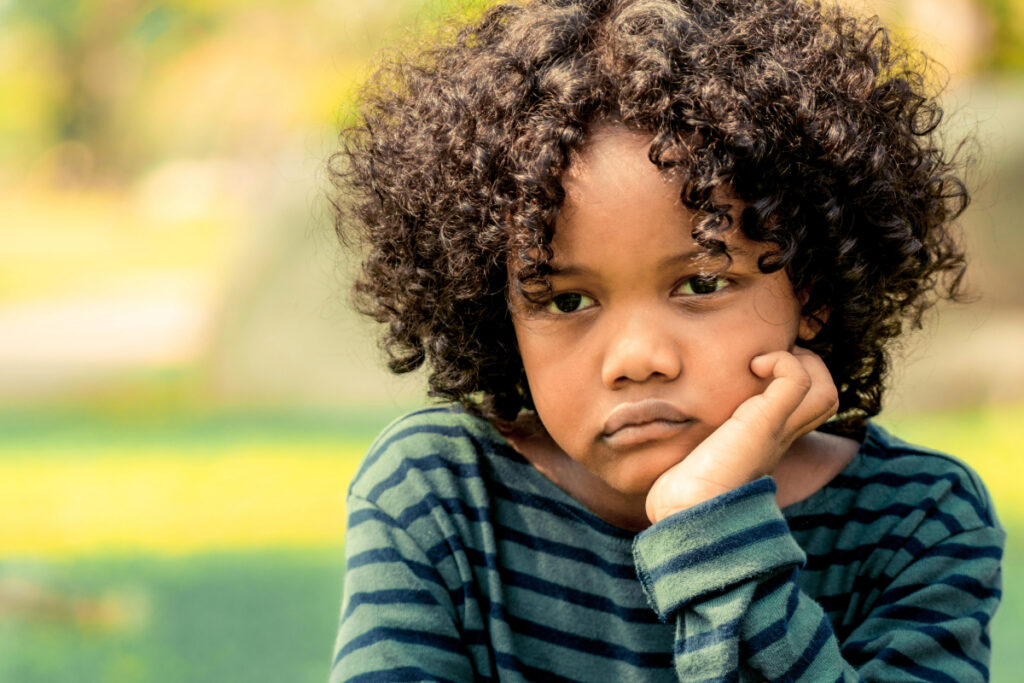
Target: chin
(639, 471)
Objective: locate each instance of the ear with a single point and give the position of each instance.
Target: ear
(811, 324)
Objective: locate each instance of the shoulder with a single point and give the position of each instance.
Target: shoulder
(893, 491)
(892, 471)
(436, 450)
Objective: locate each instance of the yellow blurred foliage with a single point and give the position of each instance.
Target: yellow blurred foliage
(58, 243)
(158, 501)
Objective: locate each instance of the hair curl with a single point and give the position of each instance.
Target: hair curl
(815, 120)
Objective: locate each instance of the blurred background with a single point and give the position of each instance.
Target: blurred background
(184, 392)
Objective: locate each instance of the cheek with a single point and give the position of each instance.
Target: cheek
(723, 368)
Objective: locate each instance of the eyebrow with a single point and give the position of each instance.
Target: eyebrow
(665, 264)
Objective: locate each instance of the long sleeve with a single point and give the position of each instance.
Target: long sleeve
(398, 622)
(727, 572)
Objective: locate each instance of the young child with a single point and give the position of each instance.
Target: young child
(653, 253)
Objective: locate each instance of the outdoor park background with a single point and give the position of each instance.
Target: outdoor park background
(183, 392)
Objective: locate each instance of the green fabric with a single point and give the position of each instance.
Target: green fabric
(465, 563)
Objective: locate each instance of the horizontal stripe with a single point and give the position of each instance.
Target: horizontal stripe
(716, 549)
(399, 674)
(406, 636)
(399, 596)
(821, 636)
(534, 501)
(867, 516)
(585, 556)
(573, 596)
(778, 629)
(898, 660)
(968, 584)
(592, 646)
(420, 570)
(426, 463)
(895, 542)
(896, 480)
(692, 644)
(457, 433)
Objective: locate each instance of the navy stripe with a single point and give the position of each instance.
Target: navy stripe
(901, 661)
(554, 507)
(864, 585)
(453, 544)
(810, 653)
(401, 635)
(573, 596)
(573, 641)
(424, 508)
(426, 463)
(731, 677)
(399, 674)
(778, 629)
(923, 615)
(751, 536)
(455, 432)
(424, 572)
(724, 632)
(967, 584)
(616, 570)
(895, 542)
(509, 662)
(773, 583)
(897, 480)
(397, 596)
(951, 645)
(866, 516)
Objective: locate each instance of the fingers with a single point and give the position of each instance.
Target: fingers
(789, 384)
(801, 394)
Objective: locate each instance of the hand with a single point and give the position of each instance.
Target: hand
(799, 397)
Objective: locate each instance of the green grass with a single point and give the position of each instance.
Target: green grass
(268, 616)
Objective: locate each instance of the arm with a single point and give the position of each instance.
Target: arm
(398, 622)
(721, 561)
(733, 593)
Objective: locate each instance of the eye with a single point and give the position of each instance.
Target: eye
(569, 302)
(704, 284)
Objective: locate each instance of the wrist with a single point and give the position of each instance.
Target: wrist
(669, 497)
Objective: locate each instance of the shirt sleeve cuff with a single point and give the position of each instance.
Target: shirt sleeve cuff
(713, 546)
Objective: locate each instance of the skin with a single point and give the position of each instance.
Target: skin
(639, 314)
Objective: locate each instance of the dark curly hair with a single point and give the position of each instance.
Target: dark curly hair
(823, 128)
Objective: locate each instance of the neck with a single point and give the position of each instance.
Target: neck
(529, 438)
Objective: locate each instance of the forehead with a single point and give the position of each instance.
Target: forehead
(615, 158)
(611, 179)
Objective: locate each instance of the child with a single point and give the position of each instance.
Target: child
(654, 252)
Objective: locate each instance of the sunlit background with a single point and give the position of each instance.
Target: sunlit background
(183, 391)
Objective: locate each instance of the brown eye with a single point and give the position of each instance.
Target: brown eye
(569, 302)
(704, 284)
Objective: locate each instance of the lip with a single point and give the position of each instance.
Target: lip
(647, 420)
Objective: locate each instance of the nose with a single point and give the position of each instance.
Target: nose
(639, 349)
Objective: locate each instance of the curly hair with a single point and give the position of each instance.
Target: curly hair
(824, 129)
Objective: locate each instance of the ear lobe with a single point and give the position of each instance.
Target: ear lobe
(811, 324)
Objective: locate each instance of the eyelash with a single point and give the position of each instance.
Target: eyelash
(577, 298)
(714, 279)
(553, 307)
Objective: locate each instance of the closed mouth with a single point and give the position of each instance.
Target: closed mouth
(653, 412)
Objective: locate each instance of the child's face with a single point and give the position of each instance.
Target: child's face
(638, 358)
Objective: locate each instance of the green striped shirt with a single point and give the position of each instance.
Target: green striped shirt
(466, 563)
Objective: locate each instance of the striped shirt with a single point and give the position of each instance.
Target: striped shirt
(466, 563)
